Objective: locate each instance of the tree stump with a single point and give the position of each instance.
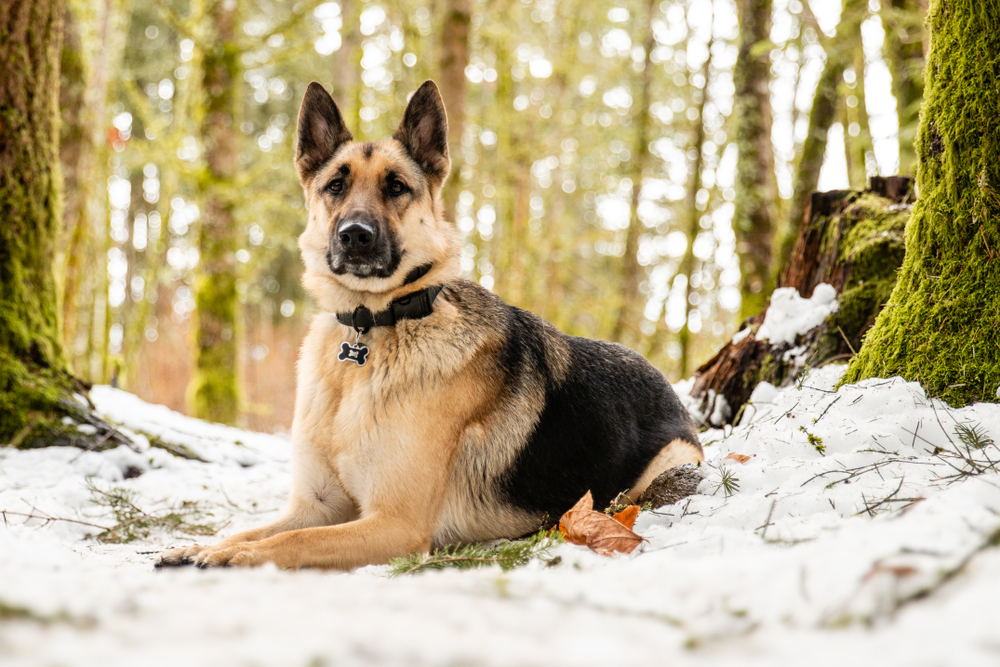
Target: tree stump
(852, 240)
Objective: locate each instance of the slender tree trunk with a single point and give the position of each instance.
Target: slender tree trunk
(904, 50)
(941, 326)
(514, 185)
(687, 264)
(347, 66)
(215, 387)
(756, 183)
(35, 385)
(84, 167)
(821, 117)
(631, 309)
(860, 150)
(454, 60)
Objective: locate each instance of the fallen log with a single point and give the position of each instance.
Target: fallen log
(852, 241)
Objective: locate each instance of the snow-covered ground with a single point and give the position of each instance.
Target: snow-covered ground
(869, 552)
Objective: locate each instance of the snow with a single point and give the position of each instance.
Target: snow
(790, 315)
(740, 335)
(804, 563)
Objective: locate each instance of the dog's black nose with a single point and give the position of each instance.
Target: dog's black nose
(355, 234)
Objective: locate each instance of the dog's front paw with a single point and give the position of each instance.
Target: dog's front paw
(180, 556)
(241, 555)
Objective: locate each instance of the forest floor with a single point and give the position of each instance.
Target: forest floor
(862, 529)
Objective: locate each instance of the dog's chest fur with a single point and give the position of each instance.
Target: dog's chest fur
(420, 397)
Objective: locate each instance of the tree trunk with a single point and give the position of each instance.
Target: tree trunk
(347, 66)
(852, 241)
(32, 368)
(942, 324)
(84, 166)
(35, 386)
(860, 151)
(215, 387)
(821, 117)
(631, 308)
(454, 60)
(756, 183)
(904, 51)
(687, 264)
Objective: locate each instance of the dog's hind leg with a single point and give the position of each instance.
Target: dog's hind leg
(677, 452)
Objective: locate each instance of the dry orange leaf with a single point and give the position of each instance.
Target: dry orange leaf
(601, 533)
(741, 458)
(627, 516)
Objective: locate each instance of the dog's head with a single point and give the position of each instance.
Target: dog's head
(375, 214)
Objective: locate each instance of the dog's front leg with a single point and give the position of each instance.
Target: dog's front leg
(316, 499)
(374, 539)
(399, 510)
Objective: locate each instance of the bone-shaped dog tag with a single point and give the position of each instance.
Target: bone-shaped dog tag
(358, 353)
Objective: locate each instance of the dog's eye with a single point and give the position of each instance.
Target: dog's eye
(336, 186)
(396, 188)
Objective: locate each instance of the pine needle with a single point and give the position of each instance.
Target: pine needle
(973, 436)
(729, 483)
(508, 555)
(133, 523)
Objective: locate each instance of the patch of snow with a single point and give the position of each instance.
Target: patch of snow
(692, 405)
(720, 408)
(790, 315)
(819, 558)
(741, 334)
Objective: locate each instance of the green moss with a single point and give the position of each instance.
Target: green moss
(33, 379)
(32, 401)
(815, 441)
(215, 386)
(177, 449)
(872, 244)
(942, 325)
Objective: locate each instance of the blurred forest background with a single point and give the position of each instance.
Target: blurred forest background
(628, 169)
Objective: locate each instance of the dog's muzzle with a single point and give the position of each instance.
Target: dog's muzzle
(357, 235)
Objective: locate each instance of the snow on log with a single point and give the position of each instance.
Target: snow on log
(839, 276)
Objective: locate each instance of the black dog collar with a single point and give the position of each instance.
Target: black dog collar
(413, 306)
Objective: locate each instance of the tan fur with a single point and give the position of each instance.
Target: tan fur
(429, 238)
(678, 452)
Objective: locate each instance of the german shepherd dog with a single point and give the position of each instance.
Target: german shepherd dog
(428, 412)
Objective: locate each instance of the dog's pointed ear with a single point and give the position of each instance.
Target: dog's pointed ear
(321, 131)
(424, 132)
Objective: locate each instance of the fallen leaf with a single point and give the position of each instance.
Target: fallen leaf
(596, 530)
(627, 516)
(741, 458)
(899, 571)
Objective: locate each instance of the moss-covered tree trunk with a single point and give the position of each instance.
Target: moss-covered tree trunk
(821, 117)
(33, 373)
(756, 183)
(454, 60)
(942, 324)
(853, 242)
(626, 327)
(215, 386)
(904, 51)
(36, 389)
